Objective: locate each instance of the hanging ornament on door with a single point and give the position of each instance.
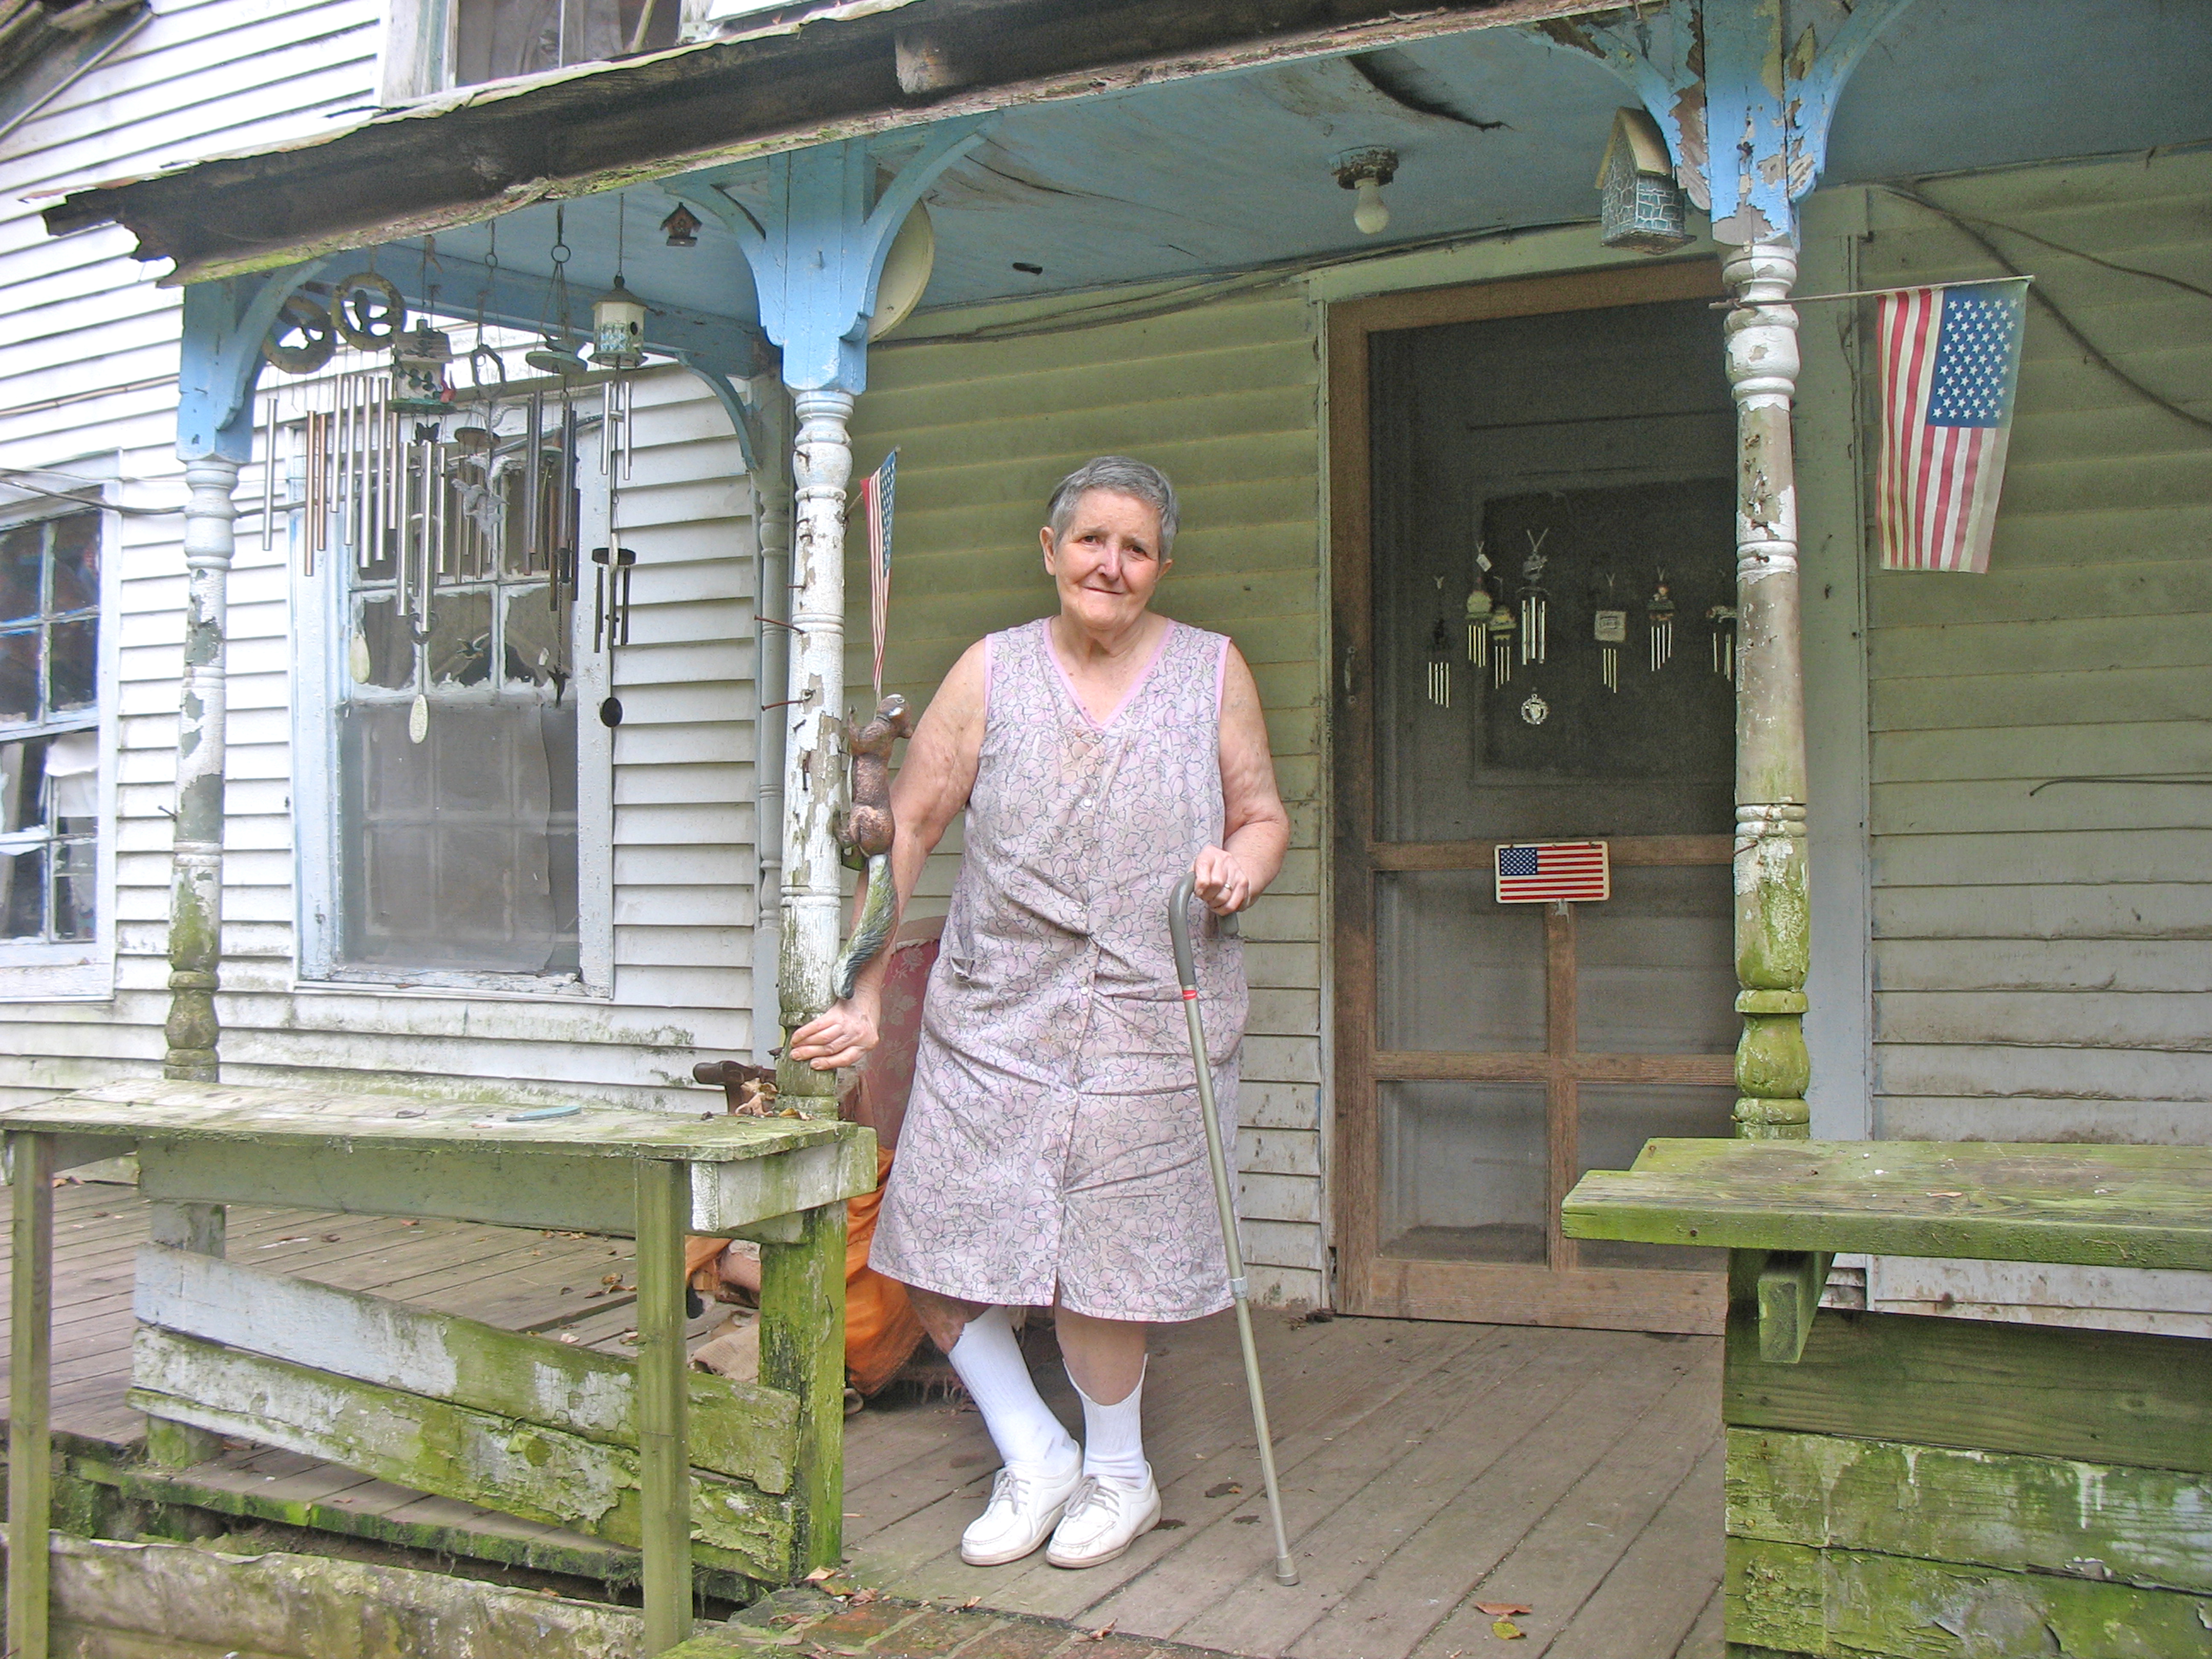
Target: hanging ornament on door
(1440, 655)
(1659, 614)
(1722, 617)
(1502, 630)
(1479, 603)
(1536, 606)
(1609, 626)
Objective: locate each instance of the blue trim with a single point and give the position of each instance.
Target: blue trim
(219, 359)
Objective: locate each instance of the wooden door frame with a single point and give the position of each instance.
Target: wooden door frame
(1366, 1282)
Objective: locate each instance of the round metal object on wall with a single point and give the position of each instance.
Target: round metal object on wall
(907, 266)
(302, 314)
(370, 311)
(611, 712)
(418, 718)
(1535, 710)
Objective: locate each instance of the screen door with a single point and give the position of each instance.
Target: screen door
(1560, 454)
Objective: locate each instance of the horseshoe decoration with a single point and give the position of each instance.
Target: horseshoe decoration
(369, 312)
(302, 315)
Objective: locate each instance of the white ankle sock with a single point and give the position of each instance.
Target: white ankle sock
(989, 1361)
(1114, 1436)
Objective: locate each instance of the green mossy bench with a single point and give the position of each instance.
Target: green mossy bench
(1902, 1486)
(685, 1467)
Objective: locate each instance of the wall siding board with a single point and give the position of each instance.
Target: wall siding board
(1225, 398)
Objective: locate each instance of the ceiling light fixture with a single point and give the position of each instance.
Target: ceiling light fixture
(1365, 172)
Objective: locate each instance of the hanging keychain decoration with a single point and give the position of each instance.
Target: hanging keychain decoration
(1722, 617)
(1535, 602)
(1659, 615)
(1609, 626)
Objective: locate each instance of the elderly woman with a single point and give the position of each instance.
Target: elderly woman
(1053, 1154)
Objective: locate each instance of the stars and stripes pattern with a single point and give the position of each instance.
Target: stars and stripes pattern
(1534, 873)
(1950, 359)
(875, 492)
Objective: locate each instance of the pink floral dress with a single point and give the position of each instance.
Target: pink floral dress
(1052, 1145)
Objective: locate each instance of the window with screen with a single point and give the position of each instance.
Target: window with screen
(50, 730)
(493, 39)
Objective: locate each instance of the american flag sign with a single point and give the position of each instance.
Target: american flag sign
(876, 490)
(1535, 872)
(1950, 358)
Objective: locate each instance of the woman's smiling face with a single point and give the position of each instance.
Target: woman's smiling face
(1108, 561)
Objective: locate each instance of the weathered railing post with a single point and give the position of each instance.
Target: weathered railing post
(196, 875)
(1772, 914)
(772, 678)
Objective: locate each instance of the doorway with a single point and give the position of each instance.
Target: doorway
(1561, 449)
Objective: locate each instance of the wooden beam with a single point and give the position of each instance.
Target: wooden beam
(30, 1362)
(664, 1463)
(802, 1348)
(1789, 1286)
(1627, 852)
(474, 155)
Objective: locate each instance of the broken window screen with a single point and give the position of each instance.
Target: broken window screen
(496, 39)
(49, 732)
(457, 739)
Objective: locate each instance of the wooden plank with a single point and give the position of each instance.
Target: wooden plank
(741, 1430)
(1619, 1299)
(1441, 1065)
(30, 1445)
(802, 1352)
(1627, 852)
(2127, 1206)
(1789, 1289)
(2101, 1396)
(1655, 1593)
(664, 1464)
(1978, 1507)
(435, 1446)
(1850, 1605)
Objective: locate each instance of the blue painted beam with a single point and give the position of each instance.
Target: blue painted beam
(220, 359)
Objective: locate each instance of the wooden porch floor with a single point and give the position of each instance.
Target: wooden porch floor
(1425, 1467)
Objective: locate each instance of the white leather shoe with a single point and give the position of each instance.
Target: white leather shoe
(1027, 1501)
(1105, 1517)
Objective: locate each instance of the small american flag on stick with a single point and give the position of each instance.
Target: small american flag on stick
(1950, 358)
(876, 490)
(1534, 873)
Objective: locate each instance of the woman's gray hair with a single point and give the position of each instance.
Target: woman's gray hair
(1121, 476)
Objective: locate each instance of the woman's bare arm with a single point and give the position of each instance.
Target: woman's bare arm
(930, 789)
(1255, 830)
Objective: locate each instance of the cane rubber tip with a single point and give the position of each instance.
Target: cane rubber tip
(1285, 1574)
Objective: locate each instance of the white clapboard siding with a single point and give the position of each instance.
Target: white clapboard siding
(87, 382)
(2040, 966)
(1224, 398)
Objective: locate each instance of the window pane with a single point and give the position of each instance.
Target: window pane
(391, 646)
(72, 665)
(1455, 970)
(19, 677)
(459, 652)
(23, 896)
(1465, 1171)
(22, 551)
(1615, 1120)
(1655, 964)
(533, 650)
(73, 783)
(22, 786)
(75, 867)
(76, 563)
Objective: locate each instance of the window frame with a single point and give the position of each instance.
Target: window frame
(79, 971)
(322, 615)
(421, 43)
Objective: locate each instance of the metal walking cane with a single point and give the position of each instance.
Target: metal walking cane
(1187, 976)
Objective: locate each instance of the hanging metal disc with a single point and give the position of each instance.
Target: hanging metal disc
(302, 314)
(369, 312)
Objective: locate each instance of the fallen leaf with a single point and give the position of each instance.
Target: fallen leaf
(1506, 1630)
(972, 1602)
(410, 1223)
(1503, 1609)
(1102, 1632)
(862, 1597)
(1226, 1489)
(333, 1238)
(1947, 1195)
(1168, 1526)
(1246, 1520)
(567, 1336)
(821, 1573)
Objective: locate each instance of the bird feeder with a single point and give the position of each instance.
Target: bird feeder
(419, 362)
(618, 328)
(1640, 206)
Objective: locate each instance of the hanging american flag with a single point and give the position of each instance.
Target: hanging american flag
(1534, 873)
(876, 491)
(1950, 358)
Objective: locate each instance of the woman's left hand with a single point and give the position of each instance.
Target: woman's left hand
(1223, 883)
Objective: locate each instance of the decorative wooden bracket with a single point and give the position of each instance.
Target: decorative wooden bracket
(1789, 1286)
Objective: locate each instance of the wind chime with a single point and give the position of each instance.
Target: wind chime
(1478, 607)
(1609, 626)
(1535, 607)
(1722, 617)
(1440, 655)
(617, 346)
(1659, 615)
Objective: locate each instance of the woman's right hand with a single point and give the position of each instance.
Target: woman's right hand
(836, 1037)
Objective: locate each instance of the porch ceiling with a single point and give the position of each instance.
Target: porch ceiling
(1184, 173)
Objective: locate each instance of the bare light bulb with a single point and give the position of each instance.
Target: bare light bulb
(1370, 212)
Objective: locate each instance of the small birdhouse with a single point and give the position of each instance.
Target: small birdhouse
(1640, 205)
(618, 328)
(419, 362)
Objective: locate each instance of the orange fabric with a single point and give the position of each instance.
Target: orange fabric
(881, 1330)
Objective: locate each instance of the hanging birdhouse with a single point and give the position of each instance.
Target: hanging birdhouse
(618, 328)
(419, 362)
(681, 228)
(1639, 204)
